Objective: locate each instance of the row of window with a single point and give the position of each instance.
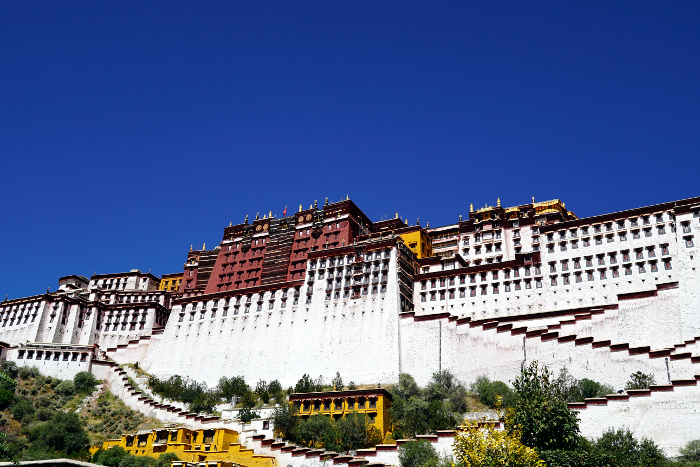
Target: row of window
(47, 355)
(564, 279)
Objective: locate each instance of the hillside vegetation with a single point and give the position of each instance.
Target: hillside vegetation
(43, 417)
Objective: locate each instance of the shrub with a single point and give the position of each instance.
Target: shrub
(625, 451)
(640, 380)
(22, 408)
(65, 388)
(246, 414)
(417, 454)
(27, 372)
(63, 432)
(84, 382)
(110, 457)
(489, 390)
(10, 369)
(539, 413)
(285, 421)
(486, 447)
(691, 451)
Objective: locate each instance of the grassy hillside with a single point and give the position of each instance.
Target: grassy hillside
(43, 417)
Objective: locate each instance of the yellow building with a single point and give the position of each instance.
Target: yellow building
(374, 403)
(418, 241)
(170, 282)
(219, 445)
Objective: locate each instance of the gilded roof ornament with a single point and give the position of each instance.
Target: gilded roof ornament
(471, 207)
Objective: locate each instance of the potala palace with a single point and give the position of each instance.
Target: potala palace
(327, 290)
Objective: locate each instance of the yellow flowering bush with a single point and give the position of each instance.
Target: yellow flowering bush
(476, 446)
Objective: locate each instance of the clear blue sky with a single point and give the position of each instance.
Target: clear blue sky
(130, 130)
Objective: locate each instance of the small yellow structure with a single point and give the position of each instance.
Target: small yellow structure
(170, 282)
(418, 241)
(374, 403)
(218, 445)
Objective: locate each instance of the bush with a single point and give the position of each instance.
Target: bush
(285, 421)
(63, 432)
(625, 451)
(539, 412)
(84, 382)
(110, 457)
(691, 451)
(489, 390)
(65, 388)
(22, 408)
(27, 372)
(477, 447)
(640, 380)
(10, 369)
(246, 414)
(417, 454)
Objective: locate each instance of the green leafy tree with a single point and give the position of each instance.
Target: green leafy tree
(249, 399)
(306, 384)
(246, 414)
(232, 388)
(7, 390)
(285, 421)
(640, 380)
(84, 382)
(626, 451)
(489, 391)
(63, 432)
(275, 390)
(110, 457)
(417, 454)
(65, 388)
(691, 451)
(539, 412)
(357, 432)
(337, 382)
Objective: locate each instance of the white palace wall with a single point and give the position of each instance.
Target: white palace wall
(357, 337)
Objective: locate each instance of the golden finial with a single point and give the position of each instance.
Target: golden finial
(498, 202)
(397, 215)
(533, 200)
(405, 221)
(347, 197)
(230, 224)
(315, 204)
(300, 207)
(264, 216)
(326, 203)
(204, 246)
(471, 207)
(257, 216)
(190, 247)
(246, 219)
(427, 225)
(460, 218)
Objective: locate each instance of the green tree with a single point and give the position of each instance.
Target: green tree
(337, 382)
(110, 457)
(489, 391)
(306, 384)
(84, 382)
(249, 399)
(246, 414)
(539, 412)
(65, 388)
(640, 380)
(63, 432)
(691, 451)
(357, 432)
(626, 451)
(285, 421)
(417, 454)
(275, 390)
(232, 388)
